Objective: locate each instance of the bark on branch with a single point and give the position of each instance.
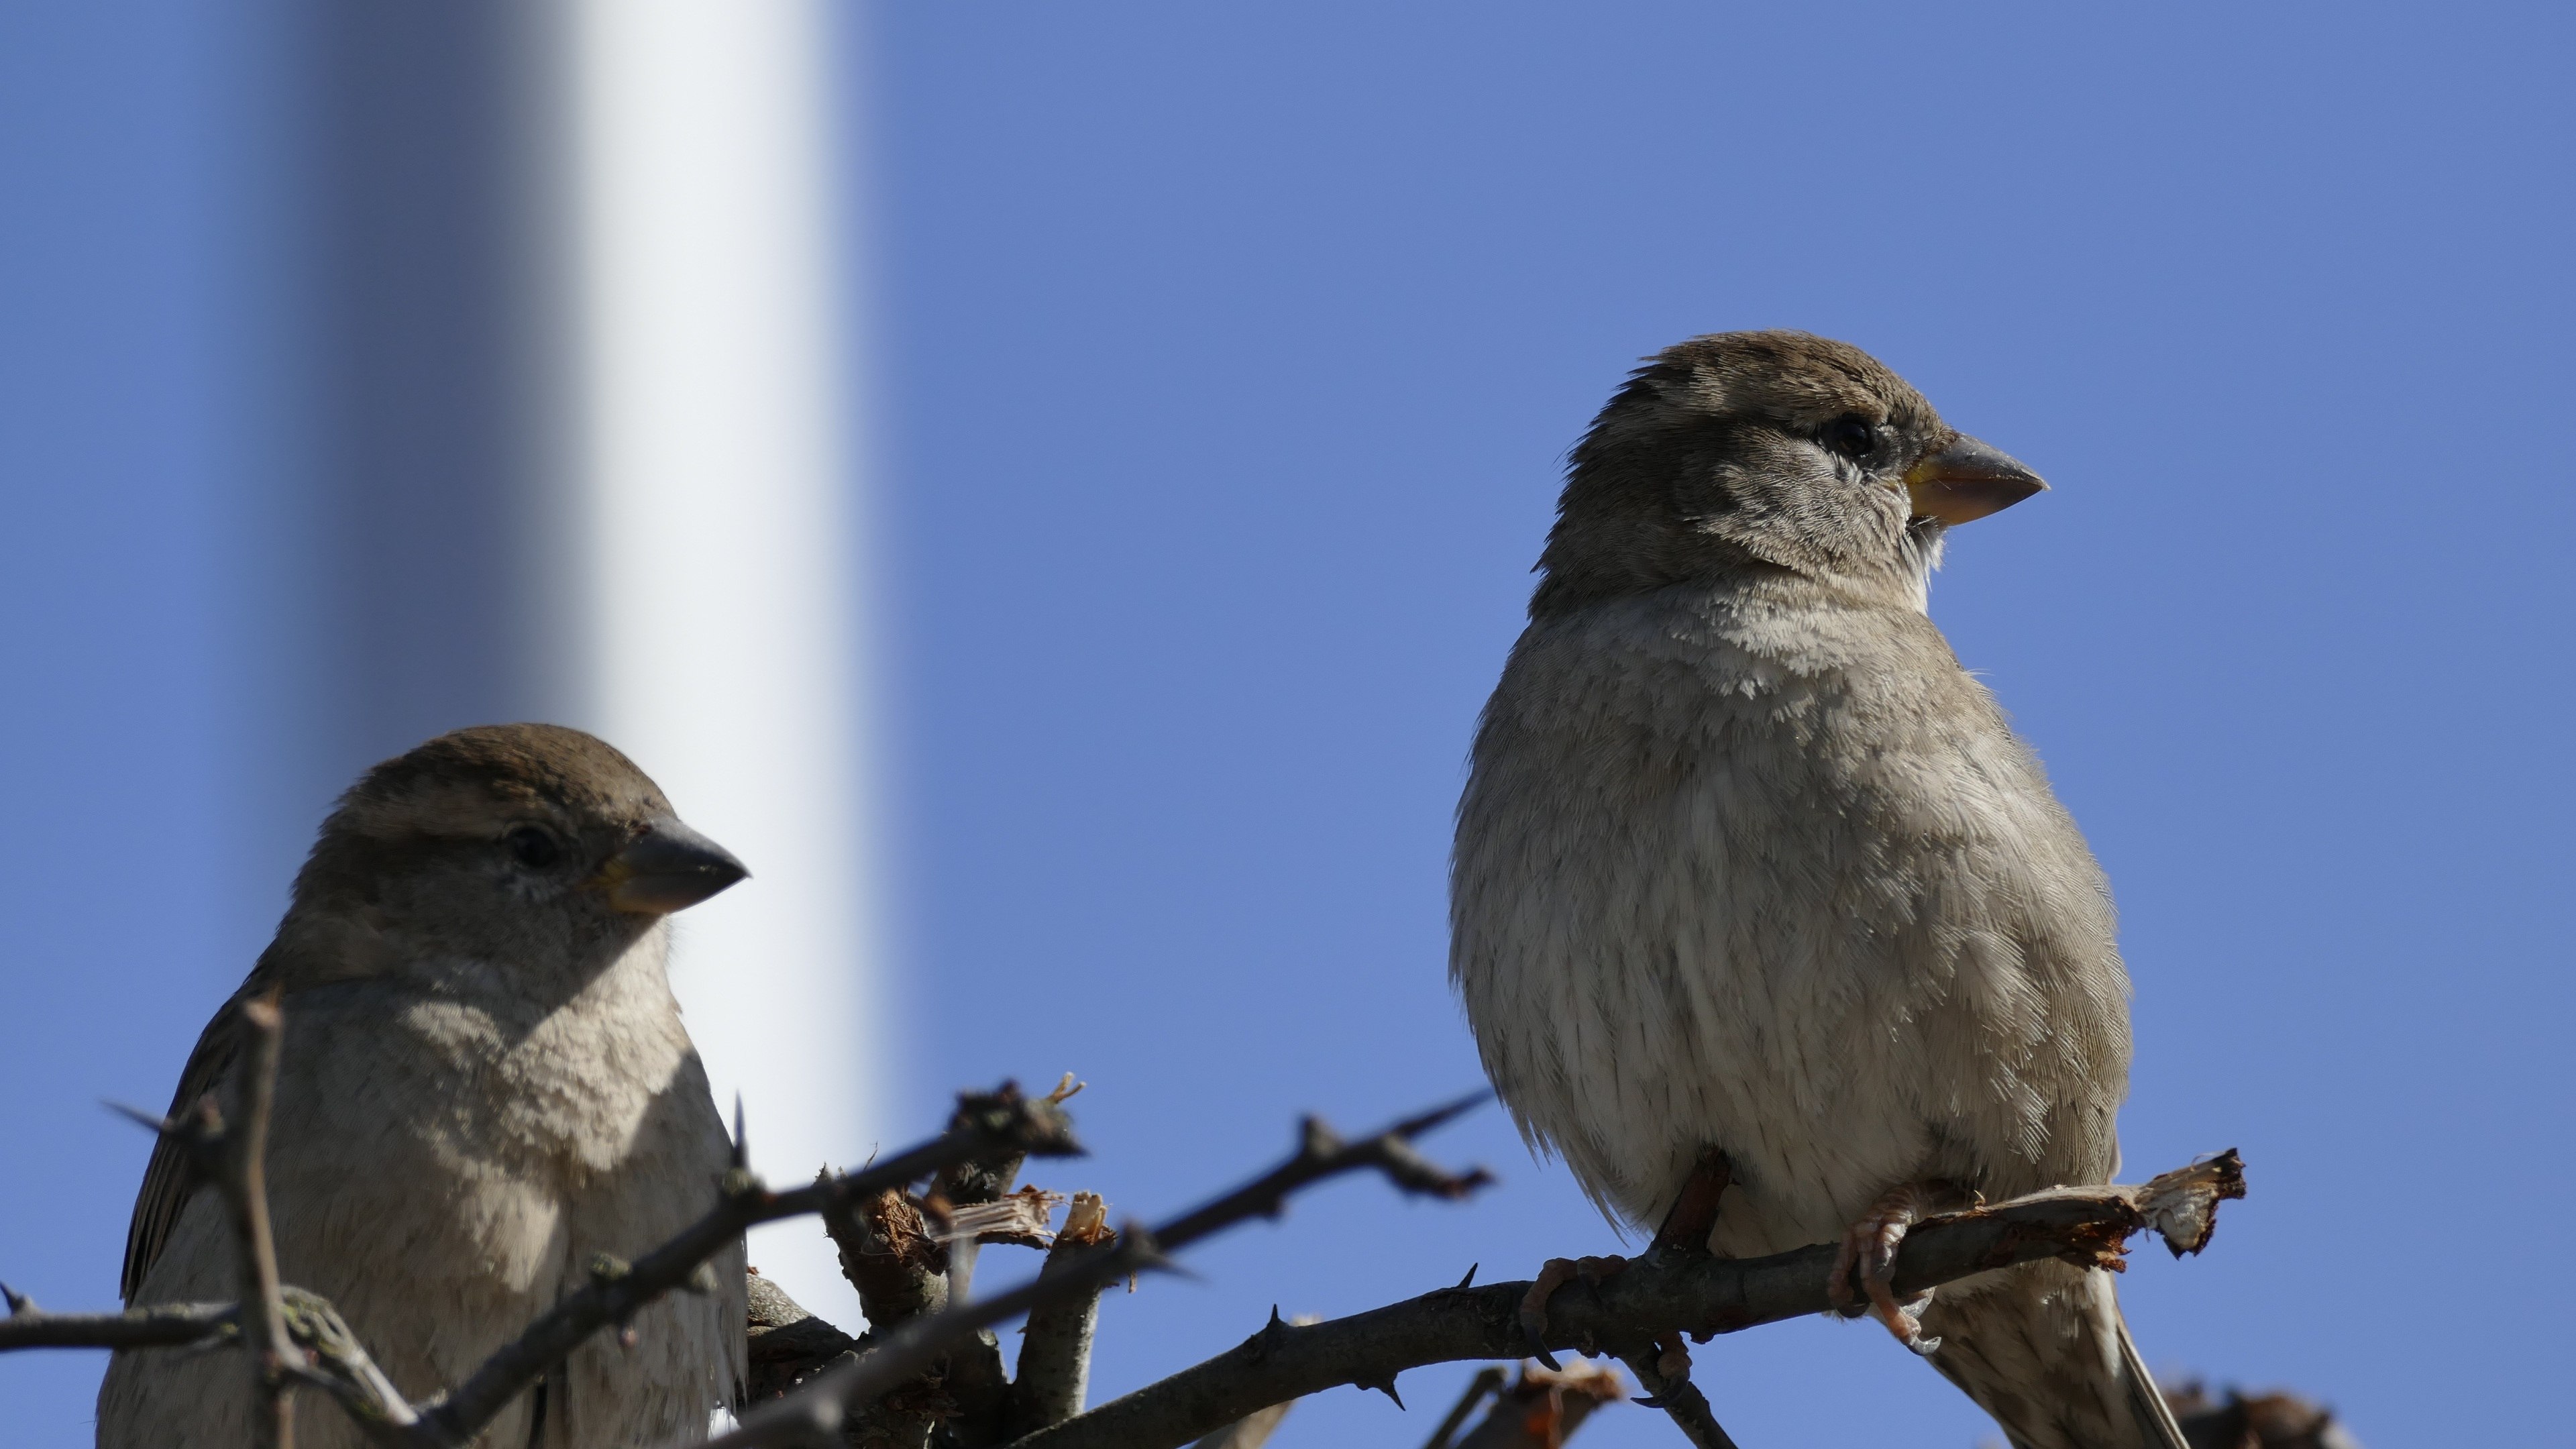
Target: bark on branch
(823, 1405)
(324, 1353)
(1627, 1312)
(1007, 1122)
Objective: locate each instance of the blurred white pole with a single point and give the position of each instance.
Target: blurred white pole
(714, 546)
(559, 435)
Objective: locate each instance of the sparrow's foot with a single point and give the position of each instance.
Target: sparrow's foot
(1672, 1356)
(1555, 1273)
(1870, 1245)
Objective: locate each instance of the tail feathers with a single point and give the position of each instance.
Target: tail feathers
(2157, 1427)
(2043, 1349)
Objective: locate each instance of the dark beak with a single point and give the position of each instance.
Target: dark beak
(667, 868)
(1964, 480)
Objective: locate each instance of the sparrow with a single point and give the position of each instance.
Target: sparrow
(484, 1085)
(1746, 860)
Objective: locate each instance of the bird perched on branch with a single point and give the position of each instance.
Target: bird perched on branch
(1748, 861)
(484, 1085)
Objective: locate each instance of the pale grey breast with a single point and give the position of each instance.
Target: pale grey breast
(1759, 865)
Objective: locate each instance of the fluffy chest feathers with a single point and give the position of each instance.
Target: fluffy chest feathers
(553, 1092)
(1765, 868)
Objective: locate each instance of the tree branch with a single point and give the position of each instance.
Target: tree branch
(2089, 1226)
(1055, 1346)
(1541, 1410)
(1006, 1122)
(821, 1406)
(339, 1366)
(1321, 1154)
(244, 1181)
(1487, 1382)
(1668, 1387)
(164, 1325)
(330, 1357)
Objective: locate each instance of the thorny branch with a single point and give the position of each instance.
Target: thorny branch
(821, 1406)
(165, 1325)
(2089, 1226)
(1320, 1154)
(909, 1255)
(1055, 1346)
(1637, 1314)
(243, 1177)
(233, 1156)
(618, 1291)
(327, 1355)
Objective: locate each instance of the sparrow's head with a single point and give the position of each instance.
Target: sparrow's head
(1765, 450)
(503, 843)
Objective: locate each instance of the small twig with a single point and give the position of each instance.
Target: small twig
(236, 1154)
(908, 1257)
(1321, 1154)
(1055, 1346)
(1679, 1398)
(328, 1356)
(820, 1408)
(1543, 1408)
(2089, 1226)
(976, 1181)
(164, 1325)
(788, 1343)
(1479, 1389)
(339, 1365)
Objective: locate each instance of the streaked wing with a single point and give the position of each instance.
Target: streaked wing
(167, 1181)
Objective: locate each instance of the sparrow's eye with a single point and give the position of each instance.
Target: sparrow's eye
(1851, 435)
(533, 846)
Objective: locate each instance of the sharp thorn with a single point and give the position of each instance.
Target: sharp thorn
(1470, 1280)
(18, 1302)
(1145, 1255)
(152, 1122)
(1412, 1127)
(741, 1136)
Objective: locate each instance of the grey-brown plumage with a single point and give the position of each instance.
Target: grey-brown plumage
(1747, 859)
(484, 1084)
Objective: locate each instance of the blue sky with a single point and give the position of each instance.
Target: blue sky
(1224, 358)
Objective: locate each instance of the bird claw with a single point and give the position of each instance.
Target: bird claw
(1555, 1273)
(1870, 1246)
(1672, 1357)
